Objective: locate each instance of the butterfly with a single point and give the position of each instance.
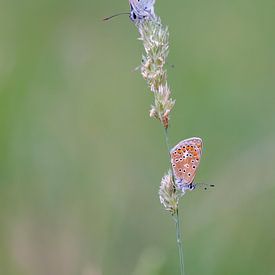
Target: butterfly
(185, 160)
(140, 9)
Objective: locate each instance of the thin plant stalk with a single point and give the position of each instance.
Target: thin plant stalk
(167, 142)
(179, 242)
(155, 38)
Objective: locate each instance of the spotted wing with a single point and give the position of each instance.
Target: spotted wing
(185, 159)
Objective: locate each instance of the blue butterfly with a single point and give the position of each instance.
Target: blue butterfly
(140, 9)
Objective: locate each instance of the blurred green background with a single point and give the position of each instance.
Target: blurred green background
(81, 160)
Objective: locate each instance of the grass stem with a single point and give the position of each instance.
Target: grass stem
(179, 242)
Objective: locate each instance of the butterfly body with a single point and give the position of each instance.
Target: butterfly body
(185, 159)
(141, 9)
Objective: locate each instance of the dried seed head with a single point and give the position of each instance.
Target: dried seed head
(169, 195)
(155, 39)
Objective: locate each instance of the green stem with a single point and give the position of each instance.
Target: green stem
(167, 141)
(179, 242)
(168, 150)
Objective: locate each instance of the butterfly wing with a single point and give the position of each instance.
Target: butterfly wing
(185, 159)
(141, 9)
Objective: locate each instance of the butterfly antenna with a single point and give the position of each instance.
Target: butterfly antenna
(107, 18)
(205, 185)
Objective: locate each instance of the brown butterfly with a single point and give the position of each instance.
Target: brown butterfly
(185, 160)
